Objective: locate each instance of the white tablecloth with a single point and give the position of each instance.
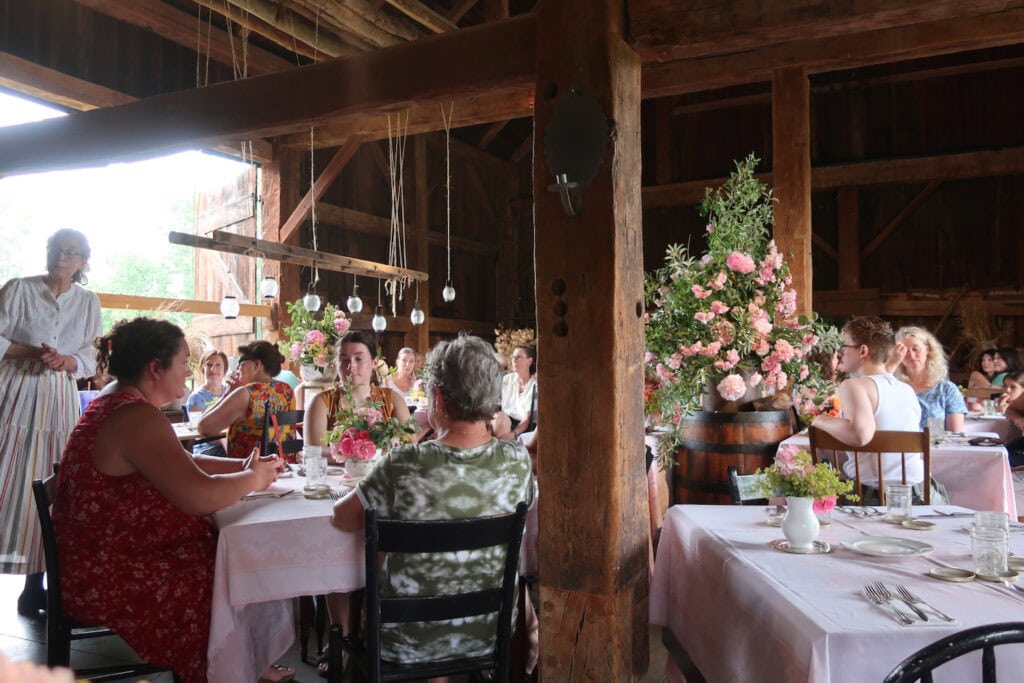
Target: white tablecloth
(269, 551)
(997, 424)
(976, 477)
(745, 612)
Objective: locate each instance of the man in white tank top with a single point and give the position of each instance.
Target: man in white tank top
(873, 400)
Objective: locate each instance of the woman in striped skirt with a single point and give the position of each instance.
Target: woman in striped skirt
(48, 324)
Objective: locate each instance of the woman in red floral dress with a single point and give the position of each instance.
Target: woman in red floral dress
(130, 508)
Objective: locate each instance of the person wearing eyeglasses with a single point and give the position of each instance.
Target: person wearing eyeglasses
(47, 327)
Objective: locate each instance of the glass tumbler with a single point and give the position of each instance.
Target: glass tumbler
(937, 427)
(992, 520)
(988, 406)
(316, 473)
(897, 503)
(988, 547)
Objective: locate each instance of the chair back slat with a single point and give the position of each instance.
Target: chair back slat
(284, 419)
(883, 441)
(416, 536)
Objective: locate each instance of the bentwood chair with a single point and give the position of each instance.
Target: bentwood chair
(920, 665)
(387, 536)
(61, 631)
(887, 442)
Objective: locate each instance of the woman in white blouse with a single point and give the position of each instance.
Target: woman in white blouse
(48, 324)
(517, 389)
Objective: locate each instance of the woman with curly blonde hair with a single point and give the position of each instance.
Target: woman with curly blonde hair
(919, 360)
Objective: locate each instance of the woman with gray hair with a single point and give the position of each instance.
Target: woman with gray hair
(919, 360)
(47, 327)
(414, 482)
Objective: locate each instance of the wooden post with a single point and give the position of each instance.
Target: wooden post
(419, 337)
(279, 190)
(593, 545)
(849, 238)
(791, 176)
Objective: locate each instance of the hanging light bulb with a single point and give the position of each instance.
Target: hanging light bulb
(311, 302)
(354, 303)
(229, 307)
(379, 322)
(448, 293)
(268, 287)
(417, 317)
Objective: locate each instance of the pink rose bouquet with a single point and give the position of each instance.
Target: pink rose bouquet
(726, 320)
(361, 431)
(311, 340)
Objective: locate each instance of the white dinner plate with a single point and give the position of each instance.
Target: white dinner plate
(888, 546)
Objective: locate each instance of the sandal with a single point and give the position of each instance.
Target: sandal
(321, 663)
(277, 674)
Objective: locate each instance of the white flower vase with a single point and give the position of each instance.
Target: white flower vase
(800, 526)
(359, 468)
(316, 375)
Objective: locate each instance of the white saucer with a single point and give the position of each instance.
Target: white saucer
(817, 547)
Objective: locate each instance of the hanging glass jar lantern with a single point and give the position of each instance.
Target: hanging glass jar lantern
(229, 307)
(268, 287)
(448, 293)
(379, 322)
(354, 303)
(311, 302)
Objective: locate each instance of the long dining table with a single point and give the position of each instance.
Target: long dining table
(743, 611)
(976, 477)
(274, 546)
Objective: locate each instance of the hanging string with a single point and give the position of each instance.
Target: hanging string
(204, 78)
(397, 254)
(447, 121)
(312, 203)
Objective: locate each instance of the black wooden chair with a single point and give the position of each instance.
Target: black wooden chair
(920, 665)
(400, 536)
(61, 631)
(286, 418)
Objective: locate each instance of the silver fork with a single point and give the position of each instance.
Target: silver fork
(336, 495)
(909, 598)
(871, 593)
(885, 592)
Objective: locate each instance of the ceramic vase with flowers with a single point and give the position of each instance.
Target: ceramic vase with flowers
(311, 341)
(362, 433)
(809, 490)
(722, 328)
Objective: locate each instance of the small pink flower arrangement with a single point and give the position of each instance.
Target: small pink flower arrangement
(312, 340)
(360, 432)
(792, 474)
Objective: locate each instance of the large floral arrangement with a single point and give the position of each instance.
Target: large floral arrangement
(792, 474)
(361, 430)
(727, 319)
(311, 340)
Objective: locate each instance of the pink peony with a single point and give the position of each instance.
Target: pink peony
(761, 346)
(740, 262)
(804, 371)
(341, 323)
(732, 387)
(704, 317)
(787, 303)
(296, 350)
(315, 337)
(712, 348)
(718, 308)
(785, 459)
(648, 357)
(762, 325)
(719, 282)
(674, 361)
(823, 505)
(700, 292)
(365, 449)
(754, 379)
(784, 351)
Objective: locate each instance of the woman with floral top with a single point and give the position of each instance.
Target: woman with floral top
(250, 389)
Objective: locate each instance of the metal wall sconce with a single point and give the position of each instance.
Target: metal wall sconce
(575, 139)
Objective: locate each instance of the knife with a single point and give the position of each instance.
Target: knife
(949, 515)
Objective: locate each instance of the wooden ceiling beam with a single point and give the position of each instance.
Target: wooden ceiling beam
(495, 10)
(398, 26)
(459, 9)
(358, 221)
(290, 32)
(324, 181)
(153, 303)
(524, 148)
(69, 92)
(849, 51)
(901, 218)
(499, 103)
(435, 69)
(180, 27)
(492, 132)
(986, 163)
(341, 15)
(660, 31)
(416, 10)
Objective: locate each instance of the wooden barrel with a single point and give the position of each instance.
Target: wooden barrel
(714, 440)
